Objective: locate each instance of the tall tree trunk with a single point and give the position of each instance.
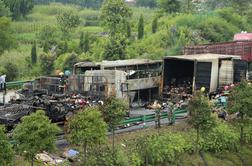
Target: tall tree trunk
(85, 152)
(197, 140)
(242, 129)
(32, 162)
(113, 139)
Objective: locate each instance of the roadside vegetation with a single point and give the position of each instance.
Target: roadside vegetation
(151, 29)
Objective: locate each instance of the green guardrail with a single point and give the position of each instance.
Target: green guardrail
(16, 84)
(151, 117)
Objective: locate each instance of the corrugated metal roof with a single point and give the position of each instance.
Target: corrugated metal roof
(86, 64)
(128, 62)
(203, 57)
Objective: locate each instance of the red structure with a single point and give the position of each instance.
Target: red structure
(243, 37)
(242, 46)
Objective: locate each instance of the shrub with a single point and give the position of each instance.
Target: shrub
(11, 71)
(66, 61)
(248, 133)
(230, 15)
(162, 149)
(215, 29)
(222, 137)
(46, 63)
(104, 156)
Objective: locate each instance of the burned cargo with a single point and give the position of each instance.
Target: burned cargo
(10, 115)
(209, 71)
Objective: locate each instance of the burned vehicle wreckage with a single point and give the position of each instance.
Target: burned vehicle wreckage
(136, 81)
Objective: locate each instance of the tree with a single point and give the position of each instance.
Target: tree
(146, 3)
(241, 5)
(169, 6)
(240, 101)
(140, 27)
(84, 42)
(19, 8)
(87, 128)
(35, 134)
(128, 29)
(160, 149)
(4, 10)
(67, 21)
(48, 37)
(6, 38)
(46, 63)
(113, 113)
(154, 25)
(34, 53)
(66, 61)
(6, 153)
(96, 4)
(114, 14)
(11, 71)
(200, 115)
(115, 48)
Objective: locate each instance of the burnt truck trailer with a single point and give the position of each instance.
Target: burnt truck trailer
(142, 78)
(203, 70)
(240, 48)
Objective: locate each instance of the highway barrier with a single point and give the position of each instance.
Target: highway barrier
(16, 84)
(152, 117)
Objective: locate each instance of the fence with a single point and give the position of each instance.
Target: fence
(151, 117)
(16, 84)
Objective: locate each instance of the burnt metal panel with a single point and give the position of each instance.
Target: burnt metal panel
(240, 70)
(203, 75)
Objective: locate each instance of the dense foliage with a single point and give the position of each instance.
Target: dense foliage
(87, 128)
(240, 102)
(6, 153)
(35, 134)
(200, 115)
(221, 138)
(19, 8)
(161, 149)
(6, 36)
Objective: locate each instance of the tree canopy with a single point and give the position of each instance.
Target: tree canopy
(6, 152)
(87, 128)
(67, 20)
(7, 40)
(240, 101)
(35, 134)
(169, 6)
(200, 115)
(19, 8)
(114, 14)
(4, 10)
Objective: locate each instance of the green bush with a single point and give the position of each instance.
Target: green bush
(230, 15)
(215, 29)
(221, 138)
(46, 63)
(162, 149)
(104, 156)
(11, 71)
(248, 133)
(66, 61)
